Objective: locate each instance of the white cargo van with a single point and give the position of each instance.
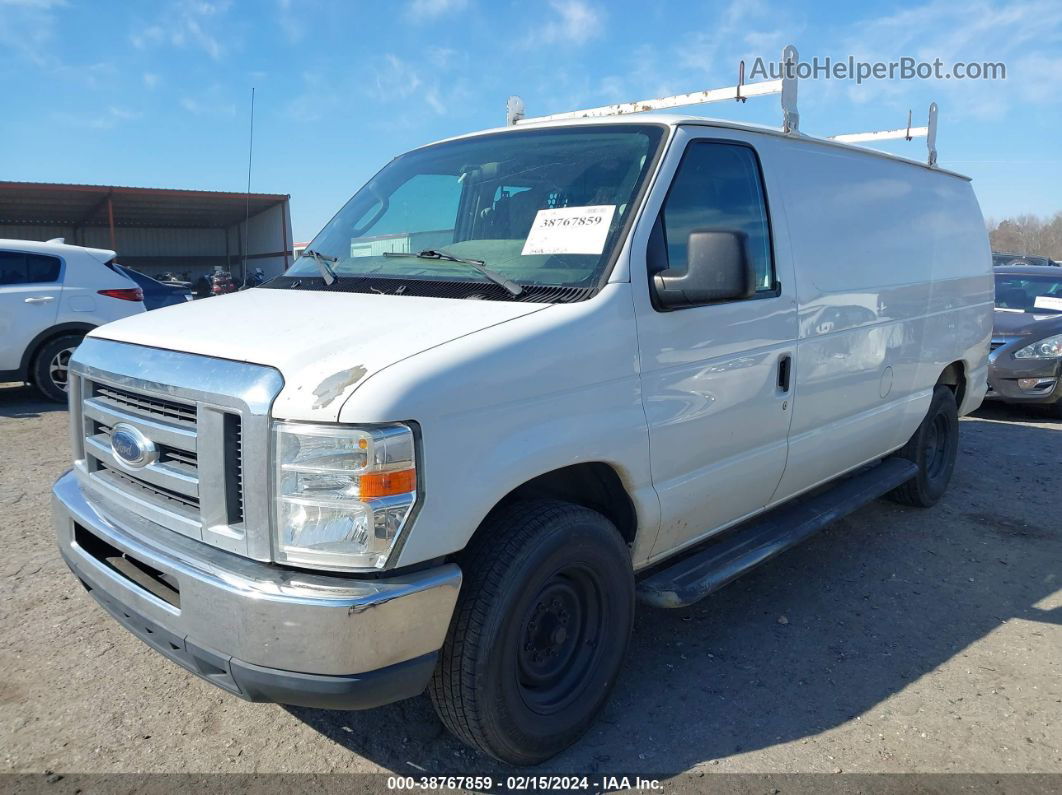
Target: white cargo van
(523, 378)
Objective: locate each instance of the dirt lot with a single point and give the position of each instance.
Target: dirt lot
(897, 640)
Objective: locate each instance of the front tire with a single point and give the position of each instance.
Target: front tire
(933, 449)
(540, 631)
(51, 366)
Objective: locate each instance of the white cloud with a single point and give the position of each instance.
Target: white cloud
(186, 23)
(151, 80)
(291, 20)
(396, 78)
(27, 29)
(422, 10)
(205, 107)
(123, 114)
(1022, 35)
(105, 120)
(572, 22)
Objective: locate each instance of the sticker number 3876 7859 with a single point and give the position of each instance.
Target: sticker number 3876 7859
(570, 230)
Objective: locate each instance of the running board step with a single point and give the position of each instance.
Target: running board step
(738, 550)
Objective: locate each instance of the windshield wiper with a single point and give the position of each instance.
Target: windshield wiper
(324, 264)
(510, 286)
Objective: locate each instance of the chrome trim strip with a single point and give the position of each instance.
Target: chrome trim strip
(160, 431)
(170, 519)
(154, 474)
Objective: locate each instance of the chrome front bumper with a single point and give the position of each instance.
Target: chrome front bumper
(260, 631)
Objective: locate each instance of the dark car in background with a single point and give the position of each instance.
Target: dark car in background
(156, 294)
(1003, 258)
(1025, 365)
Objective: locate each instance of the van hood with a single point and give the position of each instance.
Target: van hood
(325, 344)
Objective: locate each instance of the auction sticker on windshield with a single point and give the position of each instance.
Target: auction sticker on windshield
(1041, 302)
(570, 230)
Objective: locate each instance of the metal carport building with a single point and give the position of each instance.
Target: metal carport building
(154, 230)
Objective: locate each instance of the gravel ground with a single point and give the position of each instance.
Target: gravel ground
(896, 641)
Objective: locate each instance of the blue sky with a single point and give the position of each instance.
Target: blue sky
(156, 93)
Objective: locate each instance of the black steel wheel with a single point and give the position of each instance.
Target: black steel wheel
(933, 448)
(540, 631)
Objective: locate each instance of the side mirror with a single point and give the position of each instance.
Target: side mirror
(717, 269)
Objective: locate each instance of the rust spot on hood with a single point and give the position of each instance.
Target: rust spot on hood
(334, 386)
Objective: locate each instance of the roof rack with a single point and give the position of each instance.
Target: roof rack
(929, 132)
(515, 111)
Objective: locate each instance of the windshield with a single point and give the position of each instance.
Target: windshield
(1040, 294)
(542, 207)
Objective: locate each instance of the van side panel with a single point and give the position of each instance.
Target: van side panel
(894, 282)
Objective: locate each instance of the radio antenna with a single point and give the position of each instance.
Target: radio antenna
(247, 198)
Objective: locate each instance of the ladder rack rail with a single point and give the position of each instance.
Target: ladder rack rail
(515, 111)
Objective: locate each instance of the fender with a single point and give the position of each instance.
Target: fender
(44, 336)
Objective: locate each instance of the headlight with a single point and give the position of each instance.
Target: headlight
(1047, 348)
(343, 494)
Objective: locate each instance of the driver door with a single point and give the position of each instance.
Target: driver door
(716, 378)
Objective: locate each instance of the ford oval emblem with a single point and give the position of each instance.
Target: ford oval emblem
(131, 448)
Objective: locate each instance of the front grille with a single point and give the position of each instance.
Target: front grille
(145, 405)
(156, 493)
(206, 429)
(169, 486)
(185, 460)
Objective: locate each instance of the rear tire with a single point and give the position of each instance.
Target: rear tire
(540, 631)
(50, 368)
(933, 449)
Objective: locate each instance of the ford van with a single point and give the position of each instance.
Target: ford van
(523, 380)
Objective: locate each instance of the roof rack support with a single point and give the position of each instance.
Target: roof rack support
(790, 115)
(929, 132)
(514, 110)
(931, 135)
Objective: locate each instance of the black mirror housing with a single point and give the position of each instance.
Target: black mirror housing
(717, 269)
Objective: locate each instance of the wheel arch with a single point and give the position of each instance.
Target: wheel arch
(954, 376)
(595, 485)
(50, 333)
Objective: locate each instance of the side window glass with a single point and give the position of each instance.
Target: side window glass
(718, 186)
(40, 268)
(19, 268)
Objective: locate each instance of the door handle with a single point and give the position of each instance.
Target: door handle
(40, 299)
(785, 372)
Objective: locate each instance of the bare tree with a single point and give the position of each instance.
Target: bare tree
(1029, 235)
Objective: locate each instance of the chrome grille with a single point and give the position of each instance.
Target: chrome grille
(124, 480)
(144, 405)
(172, 481)
(210, 477)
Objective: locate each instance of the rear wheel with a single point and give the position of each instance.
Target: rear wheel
(51, 366)
(933, 449)
(540, 631)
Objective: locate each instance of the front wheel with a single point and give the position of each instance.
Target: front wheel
(540, 631)
(933, 449)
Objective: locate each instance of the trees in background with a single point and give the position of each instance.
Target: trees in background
(1028, 234)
